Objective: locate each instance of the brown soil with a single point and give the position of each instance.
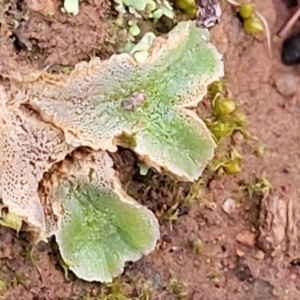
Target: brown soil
(251, 252)
(36, 33)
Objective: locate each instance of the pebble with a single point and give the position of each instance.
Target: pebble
(239, 252)
(259, 255)
(246, 238)
(229, 206)
(287, 84)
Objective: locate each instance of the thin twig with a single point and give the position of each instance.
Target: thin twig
(268, 32)
(289, 23)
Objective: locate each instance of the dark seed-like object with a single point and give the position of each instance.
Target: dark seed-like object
(183, 210)
(290, 54)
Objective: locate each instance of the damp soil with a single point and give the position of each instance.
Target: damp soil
(216, 249)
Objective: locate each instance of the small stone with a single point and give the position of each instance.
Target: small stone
(239, 252)
(259, 255)
(246, 238)
(229, 206)
(287, 85)
(231, 265)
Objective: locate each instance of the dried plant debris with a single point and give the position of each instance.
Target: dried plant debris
(289, 22)
(29, 147)
(47, 175)
(208, 13)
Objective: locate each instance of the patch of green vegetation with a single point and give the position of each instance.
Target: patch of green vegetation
(64, 266)
(145, 294)
(114, 292)
(253, 21)
(65, 69)
(171, 215)
(61, 262)
(226, 118)
(98, 227)
(177, 288)
(2, 287)
(252, 24)
(228, 121)
(261, 187)
(216, 279)
(30, 257)
(231, 165)
(10, 220)
(196, 246)
(194, 194)
(145, 8)
(187, 6)
(122, 288)
(133, 15)
(20, 279)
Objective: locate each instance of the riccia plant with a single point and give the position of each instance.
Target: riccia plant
(57, 131)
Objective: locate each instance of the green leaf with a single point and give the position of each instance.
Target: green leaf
(99, 231)
(2, 286)
(99, 226)
(158, 14)
(134, 30)
(163, 87)
(137, 4)
(12, 220)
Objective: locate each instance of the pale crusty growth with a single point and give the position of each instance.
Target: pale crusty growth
(29, 147)
(92, 90)
(90, 98)
(88, 104)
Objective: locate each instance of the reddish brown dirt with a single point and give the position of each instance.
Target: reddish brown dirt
(36, 33)
(264, 264)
